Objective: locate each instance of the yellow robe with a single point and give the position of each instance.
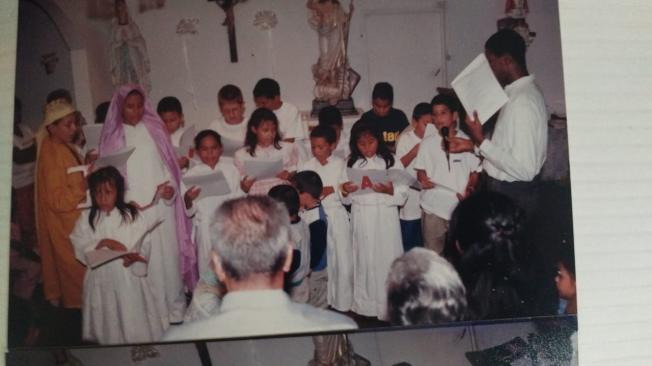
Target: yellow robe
(57, 196)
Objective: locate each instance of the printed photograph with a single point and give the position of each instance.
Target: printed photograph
(225, 169)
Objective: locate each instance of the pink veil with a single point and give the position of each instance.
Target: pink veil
(113, 139)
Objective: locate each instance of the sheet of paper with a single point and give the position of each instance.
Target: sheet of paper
(402, 177)
(99, 257)
(230, 146)
(263, 169)
(187, 141)
(92, 134)
(213, 184)
(479, 90)
(116, 159)
(364, 179)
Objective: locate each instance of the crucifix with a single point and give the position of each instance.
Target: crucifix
(229, 22)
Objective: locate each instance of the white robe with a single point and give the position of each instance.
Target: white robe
(117, 306)
(203, 210)
(376, 241)
(145, 171)
(339, 250)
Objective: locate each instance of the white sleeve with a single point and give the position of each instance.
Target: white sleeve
(82, 238)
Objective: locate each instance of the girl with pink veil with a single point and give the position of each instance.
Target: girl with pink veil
(132, 122)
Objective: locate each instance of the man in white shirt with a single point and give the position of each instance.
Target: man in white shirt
(516, 150)
(250, 260)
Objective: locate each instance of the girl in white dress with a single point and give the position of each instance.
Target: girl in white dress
(376, 229)
(202, 210)
(118, 305)
(263, 143)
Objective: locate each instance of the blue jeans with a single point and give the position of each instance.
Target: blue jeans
(411, 234)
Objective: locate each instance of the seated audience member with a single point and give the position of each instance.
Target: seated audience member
(424, 288)
(484, 240)
(250, 259)
(389, 120)
(565, 279)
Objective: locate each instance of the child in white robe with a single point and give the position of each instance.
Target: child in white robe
(231, 125)
(171, 112)
(209, 149)
(374, 217)
(323, 140)
(118, 303)
(263, 143)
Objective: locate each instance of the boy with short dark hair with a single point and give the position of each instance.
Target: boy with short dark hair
(331, 116)
(267, 94)
(310, 186)
(445, 177)
(170, 110)
(389, 120)
(296, 279)
(407, 149)
(231, 124)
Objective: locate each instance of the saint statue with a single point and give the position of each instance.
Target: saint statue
(128, 57)
(334, 79)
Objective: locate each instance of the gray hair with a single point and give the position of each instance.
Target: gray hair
(423, 288)
(252, 236)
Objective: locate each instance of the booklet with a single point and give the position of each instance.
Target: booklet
(99, 257)
(365, 179)
(262, 169)
(187, 141)
(92, 134)
(213, 184)
(117, 159)
(479, 90)
(230, 146)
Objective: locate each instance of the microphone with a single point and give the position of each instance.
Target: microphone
(444, 135)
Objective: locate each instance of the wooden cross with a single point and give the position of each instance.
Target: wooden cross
(229, 22)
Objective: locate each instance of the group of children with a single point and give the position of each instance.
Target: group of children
(346, 232)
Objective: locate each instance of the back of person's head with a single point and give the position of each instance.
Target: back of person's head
(309, 182)
(330, 116)
(447, 100)
(326, 132)
(252, 236)
(423, 288)
(100, 111)
(507, 42)
(169, 104)
(229, 93)
(420, 110)
(384, 91)
(484, 238)
(267, 88)
(59, 94)
(287, 195)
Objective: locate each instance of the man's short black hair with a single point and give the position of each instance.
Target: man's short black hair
(267, 88)
(384, 91)
(309, 182)
(447, 100)
(287, 195)
(169, 104)
(330, 116)
(507, 42)
(421, 110)
(229, 93)
(326, 132)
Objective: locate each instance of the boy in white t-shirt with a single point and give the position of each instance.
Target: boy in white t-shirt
(446, 178)
(267, 94)
(406, 150)
(231, 124)
(171, 112)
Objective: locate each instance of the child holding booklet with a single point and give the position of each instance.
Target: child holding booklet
(133, 122)
(446, 178)
(263, 143)
(171, 112)
(208, 146)
(323, 140)
(376, 228)
(118, 305)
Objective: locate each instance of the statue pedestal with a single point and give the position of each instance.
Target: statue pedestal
(345, 106)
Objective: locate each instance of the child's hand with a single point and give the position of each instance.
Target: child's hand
(183, 162)
(246, 183)
(285, 175)
(191, 195)
(111, 244)
(475, 128)
(423, 179)
(471, 185)
(165, 190)
(459, 145)
(91, 156)
(348, 187)
(131, 258)
(387, 188)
